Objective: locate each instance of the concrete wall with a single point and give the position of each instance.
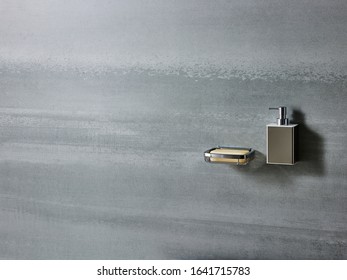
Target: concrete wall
(106, 108)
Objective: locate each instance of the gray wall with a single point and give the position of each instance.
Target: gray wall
(106, 108)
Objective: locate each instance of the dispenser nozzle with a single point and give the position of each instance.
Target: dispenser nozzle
(282, 115)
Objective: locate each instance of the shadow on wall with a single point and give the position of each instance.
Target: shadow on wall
(311, 146)
(311, 157)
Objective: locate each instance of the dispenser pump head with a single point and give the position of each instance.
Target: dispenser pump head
(282, 115)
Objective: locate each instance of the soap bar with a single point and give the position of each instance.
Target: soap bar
(233, 155)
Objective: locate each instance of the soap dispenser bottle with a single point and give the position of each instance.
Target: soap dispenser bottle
(281, 140)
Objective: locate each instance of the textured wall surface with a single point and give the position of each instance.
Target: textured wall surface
(106, 108)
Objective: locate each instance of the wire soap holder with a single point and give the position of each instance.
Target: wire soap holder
(232, 155)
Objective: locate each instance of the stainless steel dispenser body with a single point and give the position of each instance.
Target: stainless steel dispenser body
(281, 144)
(281, 140)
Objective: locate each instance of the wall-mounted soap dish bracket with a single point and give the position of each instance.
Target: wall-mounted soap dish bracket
(231, 155)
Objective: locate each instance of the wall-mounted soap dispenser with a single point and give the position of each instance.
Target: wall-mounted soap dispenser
(281, 140)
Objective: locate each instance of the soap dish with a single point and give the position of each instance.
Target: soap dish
(232, 155)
